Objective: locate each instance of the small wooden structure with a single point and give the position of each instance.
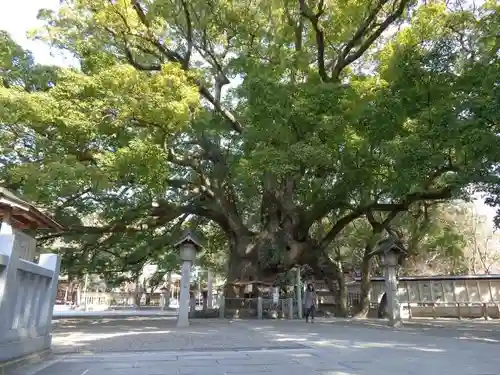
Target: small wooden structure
(23, 215)
(23, 218)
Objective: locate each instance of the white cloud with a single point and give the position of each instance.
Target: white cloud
(20, 16)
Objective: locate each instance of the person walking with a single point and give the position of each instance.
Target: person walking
(310, 302)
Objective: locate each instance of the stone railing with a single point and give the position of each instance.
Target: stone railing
(27, 296)
(474, 296)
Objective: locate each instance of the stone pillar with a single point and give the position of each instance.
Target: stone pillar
(290, 308)
(192, 304)
(222, 302)
(85, 286)
(8, 277)
(79, 295)
(391, 289)
(51, 262)
(299, 293)
(164, 300)
(166, 295)
(183, 317)
(210, 290)
(259, 307)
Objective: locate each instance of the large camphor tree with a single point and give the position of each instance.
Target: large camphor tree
(279, 122)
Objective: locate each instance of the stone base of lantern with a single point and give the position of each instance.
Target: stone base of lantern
(395, 323)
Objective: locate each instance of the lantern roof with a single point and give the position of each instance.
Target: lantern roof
(189, 237)
(391, 243)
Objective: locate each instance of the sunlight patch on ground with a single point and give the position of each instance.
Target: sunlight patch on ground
(473, 338)
(333, 344)
(284, 339)
(300, 355)
(370, 345)
(77, 339)
(341, 344)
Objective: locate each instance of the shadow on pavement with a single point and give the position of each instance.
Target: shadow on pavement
(156, 334)
(479, 330)
(136, 345)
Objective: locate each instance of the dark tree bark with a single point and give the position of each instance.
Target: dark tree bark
(378, 226)
(332, 274)
(365, 287)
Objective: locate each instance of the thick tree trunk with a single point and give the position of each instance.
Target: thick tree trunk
(342, 308)
(242, 262)
(137, 294)
(69, 290)
(365, 288)
(281, 245)
(242, 268)
(324, 268)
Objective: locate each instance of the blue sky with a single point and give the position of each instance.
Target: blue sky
(19, 16)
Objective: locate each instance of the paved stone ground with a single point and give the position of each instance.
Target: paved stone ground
(154, 346)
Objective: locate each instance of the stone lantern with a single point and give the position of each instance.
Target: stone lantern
(391, 252)
(188, 245)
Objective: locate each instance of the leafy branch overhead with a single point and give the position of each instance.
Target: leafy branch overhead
(259, 120)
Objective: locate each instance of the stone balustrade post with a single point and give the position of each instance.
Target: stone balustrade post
(51, 262)
(8, 277)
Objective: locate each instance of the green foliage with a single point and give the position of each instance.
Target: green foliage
(330, 120)
(436, 239)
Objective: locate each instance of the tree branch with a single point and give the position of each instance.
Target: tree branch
(363, 38)
(189, 37)
(394, 209)
(314, 18)
(175, 57)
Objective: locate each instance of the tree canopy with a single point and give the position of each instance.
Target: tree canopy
(278, 122)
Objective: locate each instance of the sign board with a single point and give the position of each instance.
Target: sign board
(276, 295)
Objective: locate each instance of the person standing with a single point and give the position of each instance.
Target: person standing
(310, 302)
